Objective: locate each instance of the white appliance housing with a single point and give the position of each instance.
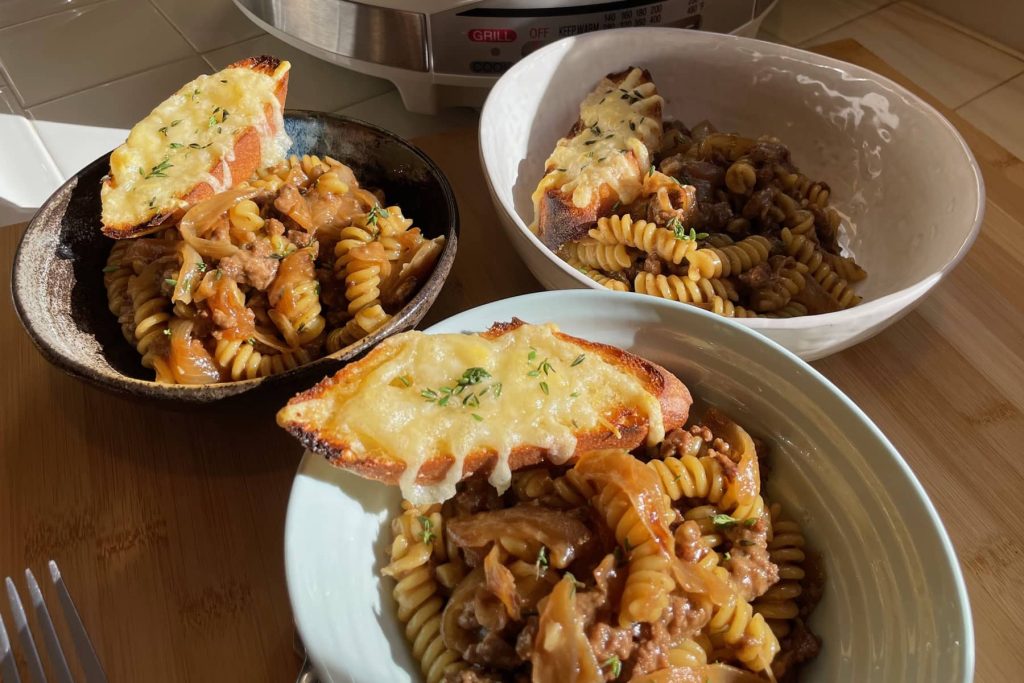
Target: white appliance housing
(442, 53)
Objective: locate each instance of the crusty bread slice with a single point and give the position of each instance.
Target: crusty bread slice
(602, 162)
(385, 412)
(207, 137)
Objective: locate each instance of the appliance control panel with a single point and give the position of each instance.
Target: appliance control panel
(488, 38)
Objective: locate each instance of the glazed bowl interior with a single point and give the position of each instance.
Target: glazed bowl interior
(894, 607)
(58, 273)
(903, 177)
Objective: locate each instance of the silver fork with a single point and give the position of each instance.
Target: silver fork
(58, 662)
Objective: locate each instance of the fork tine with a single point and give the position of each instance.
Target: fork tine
(8, 667)
(35, 667)
(83, 646)
(59, 663)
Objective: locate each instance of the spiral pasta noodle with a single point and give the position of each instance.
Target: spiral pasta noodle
(351, 237)
(684, 289)
(677, 551)
(737, 625)
(713, 205)
(609, 257)
(259, 279)
(367, 320)
(152, 320)
(786, 550)
(416, 593)
(741, 177)
(804, 188)
(596, 275)
(296, 313)
(240, 360)
(733, 259)
(643, 235)
(807, 253)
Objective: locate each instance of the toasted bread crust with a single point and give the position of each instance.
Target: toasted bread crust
(632, 427)
(559, 220)
(247, 154)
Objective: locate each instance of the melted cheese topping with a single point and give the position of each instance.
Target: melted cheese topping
(531, 394)
(614, 149)
(192, 133)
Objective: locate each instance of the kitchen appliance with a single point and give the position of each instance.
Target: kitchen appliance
(442, 53)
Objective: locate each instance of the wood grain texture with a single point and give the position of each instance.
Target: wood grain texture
(168, 525)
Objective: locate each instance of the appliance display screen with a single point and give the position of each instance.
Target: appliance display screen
(487, 40)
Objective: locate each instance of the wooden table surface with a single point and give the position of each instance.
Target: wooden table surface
(168, 526)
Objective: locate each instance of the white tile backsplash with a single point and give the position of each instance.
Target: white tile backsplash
(27, 173)
(313, 83)
(80, 127)
(67, 52)
(209, 24)
(120, 103)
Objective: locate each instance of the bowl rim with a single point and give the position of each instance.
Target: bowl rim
(189, 393)
(574, 299)
(880, 308)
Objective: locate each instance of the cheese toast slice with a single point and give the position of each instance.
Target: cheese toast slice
(209, 136)
(601, 163)
(425, 411)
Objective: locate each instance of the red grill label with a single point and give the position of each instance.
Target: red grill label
(492, 35)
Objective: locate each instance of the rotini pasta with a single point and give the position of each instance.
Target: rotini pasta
(268, 275)
(706, 579)
(714, 205)
(711, 262)
(684, 289)
(152, 320)
(806, 252)
(417, 594)
(643, 235)
(608, 257)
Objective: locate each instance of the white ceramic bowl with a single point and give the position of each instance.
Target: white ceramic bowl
(897, 168)
(895, 607)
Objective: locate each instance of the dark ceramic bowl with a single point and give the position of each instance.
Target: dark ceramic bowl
(58, 269)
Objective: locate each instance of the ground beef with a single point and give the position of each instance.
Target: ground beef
(524, 641)
(274, 227)
(492, 651)
(255, 267)
(758, 276)
(815, 298)
(688, 542)
(300, 238)
(799, 646)
(474, 495)
(759, 205)
(651, 264)
(713, 217)
(609, 641)
(148, 250)
(768, 152)
(292, 204)
(728, 466)
(677, 443)
(751, 570)
(471, 676)
(681, 619)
